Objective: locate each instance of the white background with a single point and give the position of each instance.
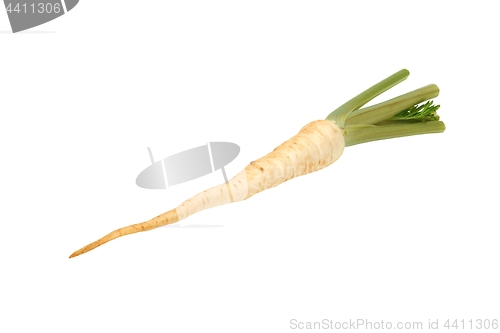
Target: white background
(396, 230)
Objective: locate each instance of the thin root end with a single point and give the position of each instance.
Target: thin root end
(86, 249)
(77, 253)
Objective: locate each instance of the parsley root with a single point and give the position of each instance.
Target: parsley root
(316, 146)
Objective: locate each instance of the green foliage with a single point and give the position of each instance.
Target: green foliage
(423, 112)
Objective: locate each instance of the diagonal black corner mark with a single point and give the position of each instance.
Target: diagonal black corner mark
(70, 4)
(26, 14)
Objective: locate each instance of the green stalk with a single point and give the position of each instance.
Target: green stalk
(340, 114)
(356, 134)
(397, 117)
(388, 109)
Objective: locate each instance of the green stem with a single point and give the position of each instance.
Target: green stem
(340, 114)
(356, 134)
(383, 111)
